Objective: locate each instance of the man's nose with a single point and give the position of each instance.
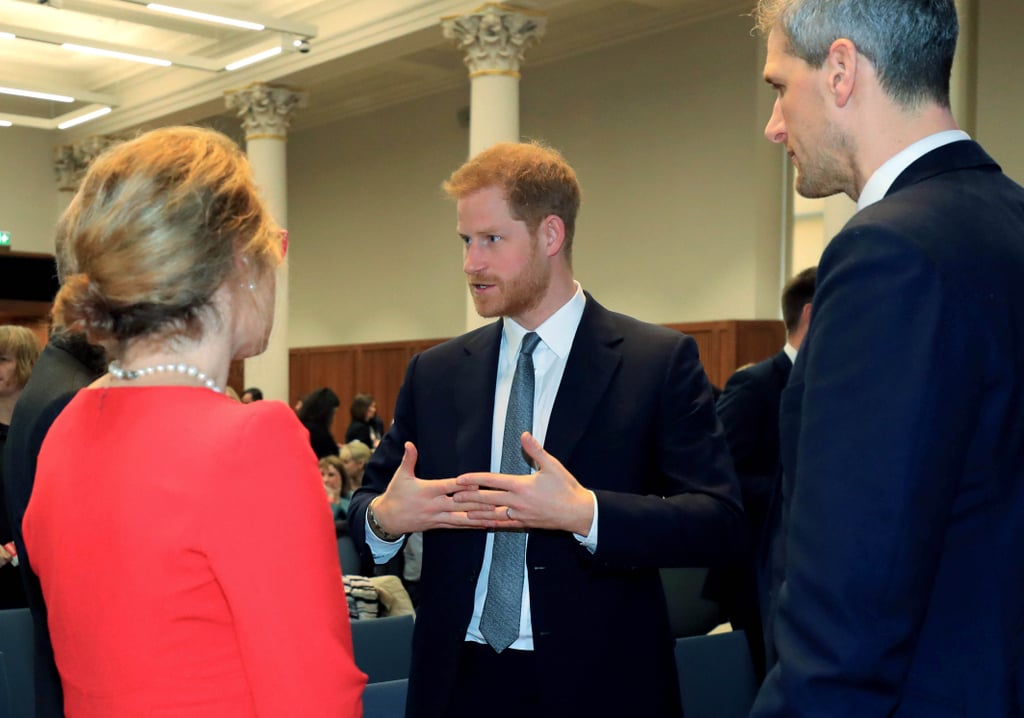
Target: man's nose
(775, 130)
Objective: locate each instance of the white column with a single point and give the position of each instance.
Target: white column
(963, 82)
(493, 38)
(266, 114)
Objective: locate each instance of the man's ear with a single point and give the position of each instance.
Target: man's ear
(841, 66)
(552, 234)
(805, 315)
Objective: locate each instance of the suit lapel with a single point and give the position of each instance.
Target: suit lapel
(473, 381)
(593, 361)
(947, 158)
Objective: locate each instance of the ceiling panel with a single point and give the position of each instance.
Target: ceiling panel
(365, 53)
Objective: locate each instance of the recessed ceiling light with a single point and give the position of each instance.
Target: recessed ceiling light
(244, 24)
(84, 118)
(36, 95)
(252, 59)
(115, 54)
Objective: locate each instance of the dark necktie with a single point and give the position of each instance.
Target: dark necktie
(499, 622)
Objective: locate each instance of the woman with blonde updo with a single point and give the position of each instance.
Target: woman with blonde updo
(164, 595)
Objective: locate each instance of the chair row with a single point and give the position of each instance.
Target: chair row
(716, 676)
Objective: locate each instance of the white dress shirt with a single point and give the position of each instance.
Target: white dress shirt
(882, 178)
(790, 352)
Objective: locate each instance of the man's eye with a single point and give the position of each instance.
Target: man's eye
(493, 237)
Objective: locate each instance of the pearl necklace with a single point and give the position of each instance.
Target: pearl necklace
(119, 372)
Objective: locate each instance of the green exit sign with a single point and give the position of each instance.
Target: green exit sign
(5, 238)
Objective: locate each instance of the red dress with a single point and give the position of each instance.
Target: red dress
(188, 560)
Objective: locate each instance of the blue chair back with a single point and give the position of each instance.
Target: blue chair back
(383, 647)
(17, 658)
(716, 675)
(349, 556)
(385, 699)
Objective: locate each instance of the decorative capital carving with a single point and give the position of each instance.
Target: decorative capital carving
(71, 161)
(266, 110)
(494, 37)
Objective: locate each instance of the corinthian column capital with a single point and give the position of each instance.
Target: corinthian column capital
(494, 37)
(265, 109)
(71, 161)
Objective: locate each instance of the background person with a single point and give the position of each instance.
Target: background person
(168, 259)
(339, 491)
(67, 363)
(252, 394)
(354, 456)
(366, 426)
(749, 411)
(19, 350)
(316, 412)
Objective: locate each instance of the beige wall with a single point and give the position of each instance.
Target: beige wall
(372, 244)
(664, 134)
(1000, 87)
(29, 201)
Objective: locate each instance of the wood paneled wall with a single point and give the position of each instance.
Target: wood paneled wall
(352, 369)
(727, 345)
(378, 369)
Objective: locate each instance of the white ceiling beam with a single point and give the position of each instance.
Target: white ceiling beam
(274, 24)
(57, 38)
(75, 92)
(48, 123)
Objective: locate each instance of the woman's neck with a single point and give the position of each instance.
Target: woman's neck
(209, 355)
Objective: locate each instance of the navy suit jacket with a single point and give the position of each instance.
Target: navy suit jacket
(749, 410)
(901, 589)
(633, 421)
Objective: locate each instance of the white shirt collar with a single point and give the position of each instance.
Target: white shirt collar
(882, 178)
(557, 332)
(790, 352)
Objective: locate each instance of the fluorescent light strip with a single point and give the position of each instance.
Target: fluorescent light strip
(252, 59)
(117, 55)
(83, 118)
(244, 24)
(5, 123)
(7, 36)
(36, 95)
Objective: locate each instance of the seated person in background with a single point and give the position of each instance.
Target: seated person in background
(316, 412)
(168, 260)
(338, 488)
(19, 350)
(366, 426)
(354, 456)
(251, 394)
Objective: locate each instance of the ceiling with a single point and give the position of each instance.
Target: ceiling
(362, 54)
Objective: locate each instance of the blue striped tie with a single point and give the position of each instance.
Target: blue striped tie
(499, 622)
